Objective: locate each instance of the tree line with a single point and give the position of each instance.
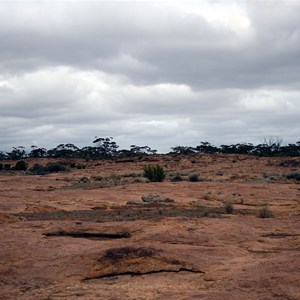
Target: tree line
(106, 148)
(102, 148)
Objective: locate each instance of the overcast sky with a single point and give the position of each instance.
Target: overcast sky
(161, 74)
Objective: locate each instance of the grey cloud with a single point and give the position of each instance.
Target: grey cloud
(178, 48)
(147, 73)
(76, 105)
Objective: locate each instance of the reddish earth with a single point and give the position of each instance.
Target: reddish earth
(65, 238)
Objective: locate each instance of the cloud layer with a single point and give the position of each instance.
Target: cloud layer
(154, 73)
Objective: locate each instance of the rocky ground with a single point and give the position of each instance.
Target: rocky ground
(101, 231)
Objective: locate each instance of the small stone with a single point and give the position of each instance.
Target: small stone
(84, 180)
(155, 198)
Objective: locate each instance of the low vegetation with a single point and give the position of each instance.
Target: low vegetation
(38, 169)
(264, 213)
(194, 177)
(228, 207)
(293, 176)
(176, 177)
(155, 173)
(21, 165)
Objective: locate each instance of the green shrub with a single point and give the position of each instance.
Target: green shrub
(1, 166)
(293, 176)
(154, 173)
(194, 177)
(264, 213)
(21, 165)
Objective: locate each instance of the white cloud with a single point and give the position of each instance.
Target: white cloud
(271, 101)
(222, 15)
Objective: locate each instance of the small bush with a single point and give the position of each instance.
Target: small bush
(293, 176)
(205, 213)
(7, 166)
(264, 213)
(176, 177)
(115, 178)
(80, 167)
(194, 177)
(228, 207)
(55, 167)
(98, 178)
(206, 196)
(154, 173)
(73, 165)
(1, 166)
(21, 165)
(50, 168)
(38, 169)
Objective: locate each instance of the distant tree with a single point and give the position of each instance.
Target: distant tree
(141, 150)
(262, 150)
(88, 152)
(274, 143)
(183, 150)
(245, 148)
(290, 150)
(2, 155)
(17, 153)
(106, 148)
(63, 150)
(228, 149)
(206, 147)
(37, 152)
(125, 153)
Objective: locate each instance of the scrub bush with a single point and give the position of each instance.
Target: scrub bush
(154, 173)
(21, 165)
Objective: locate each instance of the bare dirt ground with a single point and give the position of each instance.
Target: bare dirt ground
(64, 236)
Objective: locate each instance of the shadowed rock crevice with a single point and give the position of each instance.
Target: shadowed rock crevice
(89, 235)
(279, 235)
(127, 252)
(146, 273)
(135, 261)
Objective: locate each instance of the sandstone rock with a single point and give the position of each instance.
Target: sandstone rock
(155, 198)
(243, 257)
(135, 261)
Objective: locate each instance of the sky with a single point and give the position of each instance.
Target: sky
(155, 73)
